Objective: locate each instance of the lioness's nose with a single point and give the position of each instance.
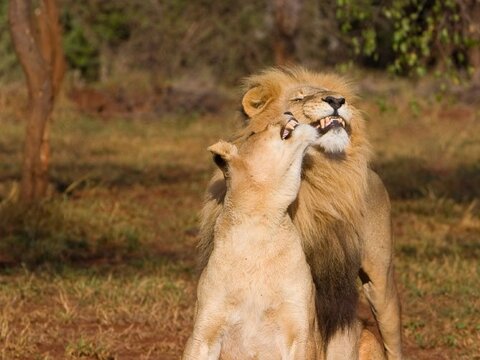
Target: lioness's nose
(334, 102)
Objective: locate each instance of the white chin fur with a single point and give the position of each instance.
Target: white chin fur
(334, 141)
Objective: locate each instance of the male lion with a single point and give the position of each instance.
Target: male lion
(342, 211)
(256, 297)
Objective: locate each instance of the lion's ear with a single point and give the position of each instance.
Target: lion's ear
(255, 100)
(223, 153)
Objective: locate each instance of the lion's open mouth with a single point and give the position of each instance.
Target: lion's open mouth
(327, 123)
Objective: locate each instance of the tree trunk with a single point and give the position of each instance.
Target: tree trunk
(50, 40)
(286, 14)
(42, 61)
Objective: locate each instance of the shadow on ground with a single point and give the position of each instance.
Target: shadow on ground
(404, 177)
(412, 178)
(83, 230)
(110, 174)
(59, 232)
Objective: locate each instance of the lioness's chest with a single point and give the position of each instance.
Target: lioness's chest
(258, 267)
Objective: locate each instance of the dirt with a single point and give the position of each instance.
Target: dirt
(124, 102)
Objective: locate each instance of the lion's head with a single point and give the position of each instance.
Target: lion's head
(325, 101)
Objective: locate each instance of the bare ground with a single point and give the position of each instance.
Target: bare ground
(129, 190)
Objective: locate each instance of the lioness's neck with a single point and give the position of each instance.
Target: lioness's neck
(251, 209)
(232, 227)
(254, 207)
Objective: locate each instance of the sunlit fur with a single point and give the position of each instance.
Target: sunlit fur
(335, 141)
(331, 200)
(342, 211)
(255, 298)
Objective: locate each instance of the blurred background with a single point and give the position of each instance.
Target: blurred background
(107, 108)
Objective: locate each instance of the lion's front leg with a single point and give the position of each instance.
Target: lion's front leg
(354, 343)
(370, 348)
(381, 293)
(344, 343)
(377, 268)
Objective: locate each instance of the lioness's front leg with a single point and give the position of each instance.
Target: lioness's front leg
(196, 350)
(377, 267)
(204, 343)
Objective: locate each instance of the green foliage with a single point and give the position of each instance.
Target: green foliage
(110, 21)
(8, 61)
(355, 19)
(421, 34)
(90, 28)
(226, 40)
(79, 52)
(224, 37)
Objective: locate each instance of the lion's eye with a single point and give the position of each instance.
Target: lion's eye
(297, 98)
(300, 95)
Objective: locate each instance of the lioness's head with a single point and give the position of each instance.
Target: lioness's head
(267, 164)
(324, 101)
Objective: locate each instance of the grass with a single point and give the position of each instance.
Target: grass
(105, 269)
(123, 312)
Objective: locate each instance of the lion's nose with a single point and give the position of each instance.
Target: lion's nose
(334, 102)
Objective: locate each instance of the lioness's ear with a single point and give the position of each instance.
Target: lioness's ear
(255, 100)
(223, 153)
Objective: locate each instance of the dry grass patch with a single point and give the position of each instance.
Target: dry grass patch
(109, 270)
(125, 312)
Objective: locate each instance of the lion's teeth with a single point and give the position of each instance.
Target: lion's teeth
(290, 125)
(328, 120)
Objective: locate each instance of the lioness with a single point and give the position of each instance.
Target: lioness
(342, 211)
(255, 297)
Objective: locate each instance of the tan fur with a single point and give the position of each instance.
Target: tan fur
(370, 349)
(342, 211)
(255, 297)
